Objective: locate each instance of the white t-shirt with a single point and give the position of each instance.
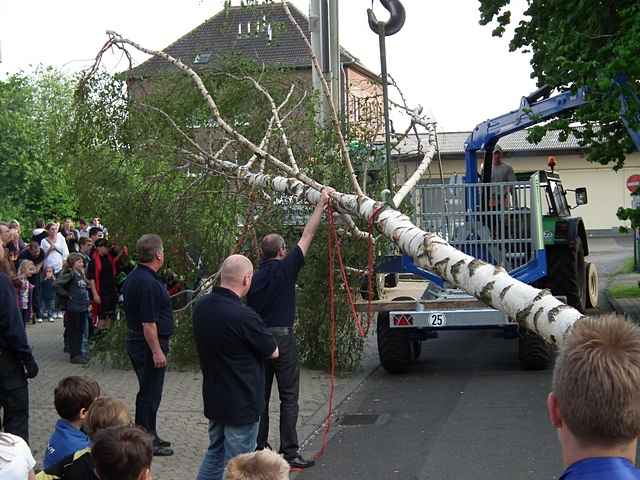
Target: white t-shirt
(57, 258)
(16, 460)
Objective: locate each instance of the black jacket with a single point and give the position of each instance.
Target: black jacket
(13, 337)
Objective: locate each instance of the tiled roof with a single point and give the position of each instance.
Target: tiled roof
(452, 143)
(262, 32)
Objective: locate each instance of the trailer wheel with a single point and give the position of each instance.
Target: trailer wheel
(534, 352)
(394, 346)
(592, 286)
(567, 273)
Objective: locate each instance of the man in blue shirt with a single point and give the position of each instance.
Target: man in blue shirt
(273, 296)
(147, 307)
(595, 402)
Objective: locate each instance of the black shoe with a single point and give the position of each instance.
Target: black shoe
(299, 462)
(79, 360)
(158, 442)
(159, 451)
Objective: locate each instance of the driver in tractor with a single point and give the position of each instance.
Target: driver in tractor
(500, 172)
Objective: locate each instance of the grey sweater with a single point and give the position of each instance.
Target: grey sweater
(73, 286)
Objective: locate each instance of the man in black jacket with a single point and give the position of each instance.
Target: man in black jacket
(273, 296)
(16, 360)
(232, 344)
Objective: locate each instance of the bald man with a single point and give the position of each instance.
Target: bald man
(232, 344)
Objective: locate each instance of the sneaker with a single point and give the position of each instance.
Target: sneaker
(39, 320)
(52, 319)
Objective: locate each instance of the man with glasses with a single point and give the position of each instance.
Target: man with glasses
(272, 296)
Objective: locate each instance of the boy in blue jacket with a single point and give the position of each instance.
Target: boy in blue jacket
(72, 398)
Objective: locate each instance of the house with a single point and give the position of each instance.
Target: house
(265, 34)
(606, 188)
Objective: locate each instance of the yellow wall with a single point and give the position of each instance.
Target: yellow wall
(606, 189)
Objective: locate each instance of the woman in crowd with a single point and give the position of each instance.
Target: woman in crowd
(55, 251)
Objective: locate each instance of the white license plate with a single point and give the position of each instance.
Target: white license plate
(437, 319)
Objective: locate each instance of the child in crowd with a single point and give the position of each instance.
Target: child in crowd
(103, 413)
(123, 453)
(16, 460)
(261, 465)
(72, 286)
(25, 289)
(72, 398)
(48, 295)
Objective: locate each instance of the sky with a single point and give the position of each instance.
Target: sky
(442, 58)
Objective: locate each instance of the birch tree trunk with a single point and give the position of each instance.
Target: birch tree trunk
(533, 308)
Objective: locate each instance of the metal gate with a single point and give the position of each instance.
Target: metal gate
(491, 221)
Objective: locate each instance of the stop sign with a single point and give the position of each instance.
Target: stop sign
(633, 182)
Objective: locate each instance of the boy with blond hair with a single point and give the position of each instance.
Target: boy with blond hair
(260, 465)
(595, 402)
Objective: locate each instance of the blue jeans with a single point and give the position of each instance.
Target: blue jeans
(226, 442)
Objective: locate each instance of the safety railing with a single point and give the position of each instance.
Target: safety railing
(495, 222)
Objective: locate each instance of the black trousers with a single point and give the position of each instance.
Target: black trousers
(150, 379)
(287, 373)
(14, 396)
(75, 323)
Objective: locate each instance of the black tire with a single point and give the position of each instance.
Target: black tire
(566, 274)
(394, 346)
(533, 352)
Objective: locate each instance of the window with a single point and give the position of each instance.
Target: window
(201, 58)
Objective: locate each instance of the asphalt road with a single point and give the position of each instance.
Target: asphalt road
(464, 411)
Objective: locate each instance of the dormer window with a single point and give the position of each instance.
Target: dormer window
(202, 59)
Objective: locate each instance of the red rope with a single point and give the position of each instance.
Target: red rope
(332, 244)
(333, 249)
(370, 273)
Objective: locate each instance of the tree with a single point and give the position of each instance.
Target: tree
(576, 43)
(267, 170)
(34, 110)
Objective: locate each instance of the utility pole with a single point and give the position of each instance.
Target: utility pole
(323, 26)
(334, 55)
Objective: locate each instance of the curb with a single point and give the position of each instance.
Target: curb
(369, 365)
(614, 304)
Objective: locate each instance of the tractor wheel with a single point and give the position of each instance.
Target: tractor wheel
(592, 286)
(534, 352)
(566, 273)
(394, 346)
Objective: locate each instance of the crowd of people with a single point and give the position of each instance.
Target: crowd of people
(243, 331)
(66, 273)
